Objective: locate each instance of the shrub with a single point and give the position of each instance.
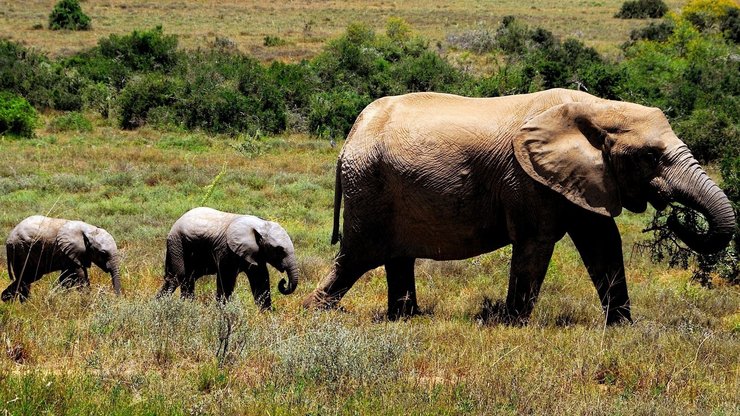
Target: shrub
(427, 72)
(44, 83)
(658, 32)
(332, 113)
(270, 41)
(642, 9)
(144, 93)
(730, 25)
(511, 36)
(148, 50)
(710, 14)
(478, 40)
(17, 116)
(227, 92)
(709, 133)
(72, 121)
(67, 14)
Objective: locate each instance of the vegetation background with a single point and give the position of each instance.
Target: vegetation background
(238, 106)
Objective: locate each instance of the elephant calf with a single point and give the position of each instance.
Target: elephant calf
(40, 245)
(206, 241)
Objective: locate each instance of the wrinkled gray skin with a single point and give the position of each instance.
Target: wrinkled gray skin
(40, 245)
(206, 241)
(444, 177)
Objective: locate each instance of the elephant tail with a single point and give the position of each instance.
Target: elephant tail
(336, 235)
(11, 253)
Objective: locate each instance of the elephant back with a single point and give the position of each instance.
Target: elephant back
(36, 229)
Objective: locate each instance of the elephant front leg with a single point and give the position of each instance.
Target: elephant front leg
(529, 263)
(597, 240)
(259, 282)
(74, 277)
(401, 288)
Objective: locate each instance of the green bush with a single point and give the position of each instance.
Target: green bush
(333, 113)
(148, 50)
(17, 116)
(144, 93)
(44, 83)
(72, 121)
(271, 41)
(658, 32)
(67, 14)
(642, 9)
(709, 132)
(227, 92)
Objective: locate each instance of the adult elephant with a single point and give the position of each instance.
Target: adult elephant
(206, 241)
(444, 177)
(40, 245)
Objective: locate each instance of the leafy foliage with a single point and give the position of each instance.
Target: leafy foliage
(72, 121)
(67, 14)
(642, 9)
(147, 50)
(17, 116)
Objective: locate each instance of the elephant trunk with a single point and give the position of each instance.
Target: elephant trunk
(115, 273)
(689, 185)
(290, 265)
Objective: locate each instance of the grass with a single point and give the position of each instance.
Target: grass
(306, 25)
(76, 352)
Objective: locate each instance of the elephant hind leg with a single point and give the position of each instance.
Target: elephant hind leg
(17, 288)
(401, 288)
(337, 283)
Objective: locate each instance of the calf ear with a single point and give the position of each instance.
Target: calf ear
(73, 243)
(243, 239)
(563, 148)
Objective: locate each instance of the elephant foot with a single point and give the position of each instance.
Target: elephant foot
(618, 316)
(14, 291)
(320, 300)
(403, 309)
(497, 313)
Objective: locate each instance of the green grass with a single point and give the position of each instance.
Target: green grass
(73, 353)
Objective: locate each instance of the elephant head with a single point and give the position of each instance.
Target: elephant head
(606, 155)
(85, 244)
(254, 239)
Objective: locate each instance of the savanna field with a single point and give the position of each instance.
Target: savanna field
(133, 167)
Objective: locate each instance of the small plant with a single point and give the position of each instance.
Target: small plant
(72, 121)
(271, 41)
(17, 116)
(642, 9)
(67, 14)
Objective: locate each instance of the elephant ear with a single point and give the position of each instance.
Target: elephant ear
(243, 239)
(564, 148)
(73, 243)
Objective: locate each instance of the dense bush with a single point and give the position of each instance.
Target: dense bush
(67, 14)
(17, 116)
(147, 50)
(144, 93)
(72, 121)
(654, 31)
(333, 113)
(642, 9)
(710, 14)
(227, 92)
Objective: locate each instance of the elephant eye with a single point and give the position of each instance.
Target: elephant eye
(652, 156)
